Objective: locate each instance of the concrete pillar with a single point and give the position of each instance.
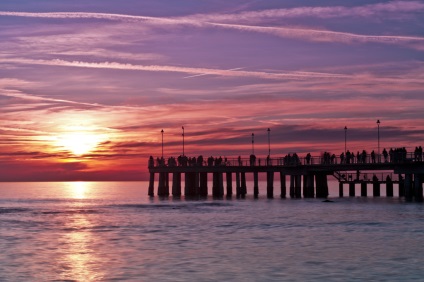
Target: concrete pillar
(229, 177)
(408, 186)
(401, 186)
(163, 186)
(166, 184)
(203, 184)
(322, 185)
(190, 182)
(389, 187)
(311, 188)
(215, 184)
(292, 180)
(196, 187)
(351, 189)
(305, 185)
(376, 188)
(151, 184)
(243, 184)
(341, 189)
(176, 184)
(298, 186)
(238, 188)
(270, 184)
(418, 188)
(255, 184)
(220, 184)
(364, 191)
(283, 185)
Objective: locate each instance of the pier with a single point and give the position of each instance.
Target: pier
(307, 176)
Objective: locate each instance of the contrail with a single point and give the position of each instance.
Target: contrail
(202, 74)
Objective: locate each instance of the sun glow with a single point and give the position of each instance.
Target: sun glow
(79, 143)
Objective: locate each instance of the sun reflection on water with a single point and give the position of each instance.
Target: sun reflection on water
(79, 190)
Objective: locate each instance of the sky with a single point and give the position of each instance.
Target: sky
(87, 86)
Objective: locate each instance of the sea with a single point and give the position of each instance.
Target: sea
(112, 231)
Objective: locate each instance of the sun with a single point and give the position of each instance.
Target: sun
(79, 143)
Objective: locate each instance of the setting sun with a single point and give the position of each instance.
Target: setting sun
(79, 143)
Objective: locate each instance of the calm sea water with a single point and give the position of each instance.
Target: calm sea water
(111, 231)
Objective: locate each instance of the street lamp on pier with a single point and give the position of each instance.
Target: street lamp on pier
(269, 142)
(253, 143)
(183, 139)
(345, 129)
(162, 142)
(378, 138)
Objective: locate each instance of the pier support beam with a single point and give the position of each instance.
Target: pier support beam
(270, 184)
(203, 184)
(238, 188)
(229, 178)
(163, 187)
(255, 184)
(243, 184)
(322, 185)
(418, 188)
(389, 187)
(341, 189)
(283, 185)
(408, 187)
(218, 185)
(190, 184)
(351, 189)
(298, 186)
(376, 188)
(401, 186)
(308, 186)
(364, 191)
(176, 184)
(292, 180)
(151, 184)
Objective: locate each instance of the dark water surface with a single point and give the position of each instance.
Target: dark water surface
(111, 231)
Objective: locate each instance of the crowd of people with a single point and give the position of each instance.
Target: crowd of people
(396, 155)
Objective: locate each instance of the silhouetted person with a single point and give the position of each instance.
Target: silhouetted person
(373, 156)
(308, 158)
(151, 162)
(385, 155)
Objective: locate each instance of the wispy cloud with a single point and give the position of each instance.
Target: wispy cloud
(323, 35)
(393, 9)
(175, 69)
(305, 33)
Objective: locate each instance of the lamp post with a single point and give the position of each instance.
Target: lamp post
(378, 138)
(162, 142)
(345, 129)
(253, 143)
(183, 139)
(269, 142)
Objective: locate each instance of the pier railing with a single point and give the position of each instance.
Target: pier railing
(288, 160)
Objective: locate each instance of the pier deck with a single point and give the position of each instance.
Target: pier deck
(406, 172)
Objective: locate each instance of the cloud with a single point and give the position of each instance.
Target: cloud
(389, 9)
(323, 35)
(176, 69)
(305, 33)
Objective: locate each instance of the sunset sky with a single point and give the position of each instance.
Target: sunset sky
(87, 86)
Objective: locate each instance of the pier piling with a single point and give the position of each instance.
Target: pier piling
(283, 184)
(151, 184)
(229, 178)
(176, 184)
(270, 184)
(364, 190)
(255, 184)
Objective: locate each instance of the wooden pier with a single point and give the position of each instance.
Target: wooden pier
(308, 177)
